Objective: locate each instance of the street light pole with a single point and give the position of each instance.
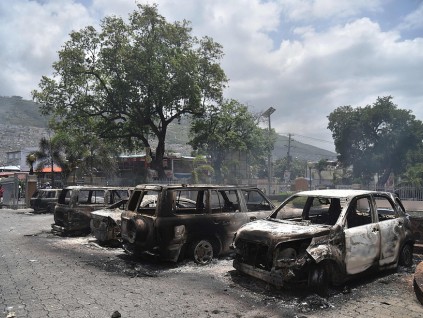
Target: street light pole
(310, 165)
(267, 114)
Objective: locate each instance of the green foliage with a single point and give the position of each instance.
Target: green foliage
(376, 138)
(414, 175)
(225, 129)
(129, 81)
(202, 172)
(296, 168)
(50, 153)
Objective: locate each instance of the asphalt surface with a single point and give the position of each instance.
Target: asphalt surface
(42, 275)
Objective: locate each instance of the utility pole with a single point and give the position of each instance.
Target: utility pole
(288, 165)
(287, 172)
(267, 114)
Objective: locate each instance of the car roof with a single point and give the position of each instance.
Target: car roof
(190, 186)
(337, 193)
(96, 188)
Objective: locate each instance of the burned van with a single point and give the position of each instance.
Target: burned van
(326, 236)
(72, 213)
(174, 221)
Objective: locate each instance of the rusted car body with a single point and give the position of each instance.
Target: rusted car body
(105, 223)
(199, 220)
(44, 200)
(326, 236)
(72, 213)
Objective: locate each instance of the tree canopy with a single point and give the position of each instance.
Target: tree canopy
(375, 139)
(230, 127)
(130, 80)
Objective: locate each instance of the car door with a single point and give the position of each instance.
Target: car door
(362, 236)
(225, 217)
(391, 229)
(257, 206)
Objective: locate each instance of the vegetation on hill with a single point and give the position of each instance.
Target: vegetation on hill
(22, 126)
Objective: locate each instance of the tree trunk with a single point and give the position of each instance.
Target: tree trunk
(158, 160)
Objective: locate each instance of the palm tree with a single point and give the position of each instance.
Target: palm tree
(49, 154)
(320, 166)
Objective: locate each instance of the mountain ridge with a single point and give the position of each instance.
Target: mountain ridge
(22, 126)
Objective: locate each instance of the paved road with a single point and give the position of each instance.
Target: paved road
(42, 275)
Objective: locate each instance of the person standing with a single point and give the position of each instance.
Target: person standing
(1, 193)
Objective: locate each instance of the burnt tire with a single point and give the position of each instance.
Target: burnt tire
(406, 256)
(202, 251)
(318, 280)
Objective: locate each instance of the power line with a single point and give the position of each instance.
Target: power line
(313, 138)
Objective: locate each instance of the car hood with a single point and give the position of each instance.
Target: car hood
(276, 230)
(114, 214)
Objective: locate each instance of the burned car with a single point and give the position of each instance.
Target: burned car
(325, 237)
(174, 221)
(72, 214)
(44, 200)
(105, 223)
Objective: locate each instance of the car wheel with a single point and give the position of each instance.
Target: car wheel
(406, 256)
(202, 251)
(318, 280)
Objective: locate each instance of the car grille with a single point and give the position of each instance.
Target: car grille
(252, 253)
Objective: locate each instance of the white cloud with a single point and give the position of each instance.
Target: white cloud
(307, 10)
(31, 34)
(414, 20)
(303, 57)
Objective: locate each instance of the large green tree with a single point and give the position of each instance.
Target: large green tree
(296, 168)
(227, 128)
(375, 139)
(134, 78)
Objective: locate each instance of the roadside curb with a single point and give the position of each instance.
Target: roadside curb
(418, 282)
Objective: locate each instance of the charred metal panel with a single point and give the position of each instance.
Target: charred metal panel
(183, 215)
(370, 230)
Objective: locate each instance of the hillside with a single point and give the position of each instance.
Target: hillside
(21, 126)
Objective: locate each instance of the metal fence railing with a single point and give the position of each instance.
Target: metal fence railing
(405, 192)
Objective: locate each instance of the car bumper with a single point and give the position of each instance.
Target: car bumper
(277, 278)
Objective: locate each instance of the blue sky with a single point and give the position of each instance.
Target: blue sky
(303, 57)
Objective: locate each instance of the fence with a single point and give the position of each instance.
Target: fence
(13, 195)
(409, 193)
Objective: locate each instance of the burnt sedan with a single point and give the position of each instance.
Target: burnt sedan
(105, 223)
(325, 237)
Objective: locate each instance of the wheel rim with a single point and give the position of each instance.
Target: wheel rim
(203, 252)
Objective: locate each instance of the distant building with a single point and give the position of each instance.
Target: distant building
(18, 158)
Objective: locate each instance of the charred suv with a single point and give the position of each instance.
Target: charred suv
(44, 200)
(72, 213)
(325, 236)
(197, 219)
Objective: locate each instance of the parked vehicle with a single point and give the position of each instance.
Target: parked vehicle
(72, 213)
(105, 223)
(326, 236)
(44, 200)
(198, 220)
